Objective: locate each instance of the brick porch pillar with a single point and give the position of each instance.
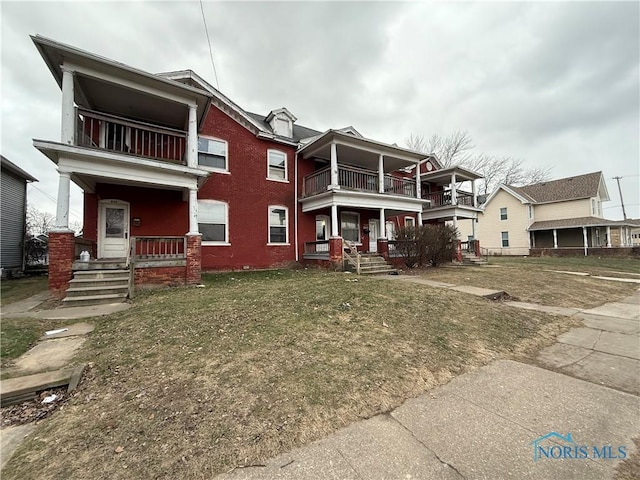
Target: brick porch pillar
(335, 251)
(476, 248)
(383, 248)
(61, 256)
(194, 259)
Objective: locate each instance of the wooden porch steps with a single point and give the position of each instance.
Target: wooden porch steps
(96, 287)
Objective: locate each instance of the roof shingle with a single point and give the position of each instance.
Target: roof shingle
(570, 188)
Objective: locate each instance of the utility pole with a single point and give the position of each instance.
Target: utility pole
(624, 214)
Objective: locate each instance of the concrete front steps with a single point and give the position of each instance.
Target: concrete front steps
(471, 259)
(96, 287)
(373, 264)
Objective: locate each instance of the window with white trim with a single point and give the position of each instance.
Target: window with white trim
(530, 211)
(350, 226)
(276, 165)
(503, 213)
(278, 225)
(212, 153)
(505, 239)
(213, 221)
(409, 222)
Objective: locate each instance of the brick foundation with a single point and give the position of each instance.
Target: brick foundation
(160, 276)
(61, 256)
(194, 260)
(591, 251)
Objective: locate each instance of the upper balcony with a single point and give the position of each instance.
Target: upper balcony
(358, 179)
(116, 134)
(447, 200)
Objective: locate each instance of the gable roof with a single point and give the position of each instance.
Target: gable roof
(16, 170)
(299, 131)
(523, 197)
(563, 189)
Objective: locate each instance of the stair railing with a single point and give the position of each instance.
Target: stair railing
(350, 256)
(130, 264)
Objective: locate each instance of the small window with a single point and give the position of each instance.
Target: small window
(505, 239)
(278, 225)
(409, 222)
(212, 153)
(276, 165)
(212, 221)
(503, 213)
(530, 211)
(350, 226)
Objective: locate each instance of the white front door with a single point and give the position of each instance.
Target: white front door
(374, 229)
(113, 229)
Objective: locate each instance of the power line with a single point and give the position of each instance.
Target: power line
(206, 30)
(618, 206)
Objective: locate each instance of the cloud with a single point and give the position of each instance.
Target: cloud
(556, 84)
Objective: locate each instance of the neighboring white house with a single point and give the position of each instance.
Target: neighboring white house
(563, 213)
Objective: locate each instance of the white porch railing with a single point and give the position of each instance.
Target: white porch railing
(117, 134)
(353, 178)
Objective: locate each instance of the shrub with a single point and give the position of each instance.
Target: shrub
(426, 244)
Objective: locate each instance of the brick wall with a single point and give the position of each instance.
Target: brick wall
(160, 275)
(194, 258)
(61, 255)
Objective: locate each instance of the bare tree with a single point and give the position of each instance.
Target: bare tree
(456, 149)
(39, 222)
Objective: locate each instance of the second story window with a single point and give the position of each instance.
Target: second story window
(212, 153)
(503, 213)
(276, 165)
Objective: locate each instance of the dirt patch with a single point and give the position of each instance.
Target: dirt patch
(629, 468)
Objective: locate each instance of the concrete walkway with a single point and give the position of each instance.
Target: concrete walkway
(483, 425)
(606, 350)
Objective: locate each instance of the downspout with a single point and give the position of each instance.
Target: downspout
(295, 202)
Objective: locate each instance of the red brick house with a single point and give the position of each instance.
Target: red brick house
(178, 179)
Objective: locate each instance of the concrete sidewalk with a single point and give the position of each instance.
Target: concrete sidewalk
(606, 350)
(479, 426)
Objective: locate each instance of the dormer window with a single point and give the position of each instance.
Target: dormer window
(281, 122)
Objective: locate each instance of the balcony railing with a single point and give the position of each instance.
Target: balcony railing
(443, 198)
(116, 134)
(318, 249)
(359, 179)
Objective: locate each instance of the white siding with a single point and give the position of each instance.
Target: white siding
(562, 210)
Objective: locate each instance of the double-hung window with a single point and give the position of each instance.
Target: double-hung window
(213, 221)
(503, 213)
(278, 225)
(212, 153)
(505, 239)
(276, 165)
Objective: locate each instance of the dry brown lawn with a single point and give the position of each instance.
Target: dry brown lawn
(192, 382)
(533, 280)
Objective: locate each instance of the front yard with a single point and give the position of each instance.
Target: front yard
(191, 382)
(536, 280)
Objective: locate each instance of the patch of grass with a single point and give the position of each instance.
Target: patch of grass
(590, 264)
(192, 382)
(16, 289)
(17, 335)
(531, 280)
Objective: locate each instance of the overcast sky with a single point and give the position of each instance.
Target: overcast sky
(554, 84)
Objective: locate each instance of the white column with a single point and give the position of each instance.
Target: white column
(585, 240)
(192, 138)
(381, 173)
(419, 218)
(608, 236)
(335, 183)
(383, 227)
(334, 220)
(532, 239)
(455, 221)
(62, 210)
(454, 194)
(193, 212)
(418, 186)
(555, 238)
(474, 193)
(68, 124)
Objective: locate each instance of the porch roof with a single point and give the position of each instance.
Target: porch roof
(360, 151)
(578, 223)
(115, 88)
(443, 176)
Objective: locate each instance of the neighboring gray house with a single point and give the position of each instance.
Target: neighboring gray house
(13, 213)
